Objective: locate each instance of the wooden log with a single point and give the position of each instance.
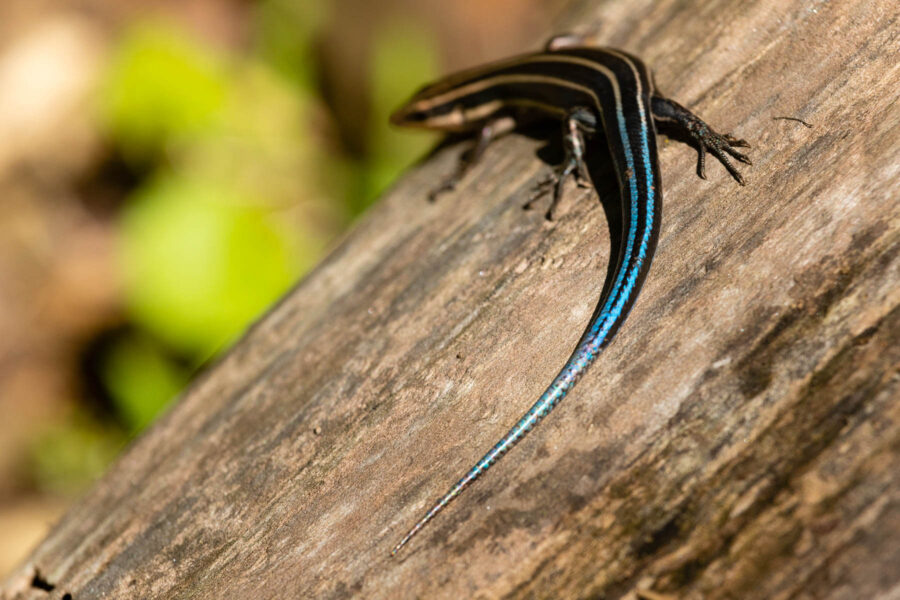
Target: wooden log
(739, 439)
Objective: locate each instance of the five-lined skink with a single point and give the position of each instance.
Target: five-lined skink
(588, 88)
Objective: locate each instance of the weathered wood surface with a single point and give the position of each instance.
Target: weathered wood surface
(740, 438)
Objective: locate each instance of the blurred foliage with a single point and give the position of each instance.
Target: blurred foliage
(141, 380)
(71, 452)
(245, 189)
(397, 43)
(161, 88)
(199, 263)
(285, 29)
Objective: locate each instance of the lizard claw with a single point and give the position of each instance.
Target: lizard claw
(723, 146)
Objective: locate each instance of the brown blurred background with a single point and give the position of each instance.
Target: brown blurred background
(168, 169)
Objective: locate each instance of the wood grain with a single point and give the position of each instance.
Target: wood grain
(740, 439)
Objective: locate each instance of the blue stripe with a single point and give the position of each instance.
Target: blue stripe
(609, 320)
(585, 355)
(611, 313)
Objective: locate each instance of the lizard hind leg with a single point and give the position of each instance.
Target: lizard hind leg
(579, 122)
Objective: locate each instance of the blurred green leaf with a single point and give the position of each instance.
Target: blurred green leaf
(201, 261)
(141, 379)
(264, 145)
(161, 86)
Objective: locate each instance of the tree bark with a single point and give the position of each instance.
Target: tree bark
(739, 439)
